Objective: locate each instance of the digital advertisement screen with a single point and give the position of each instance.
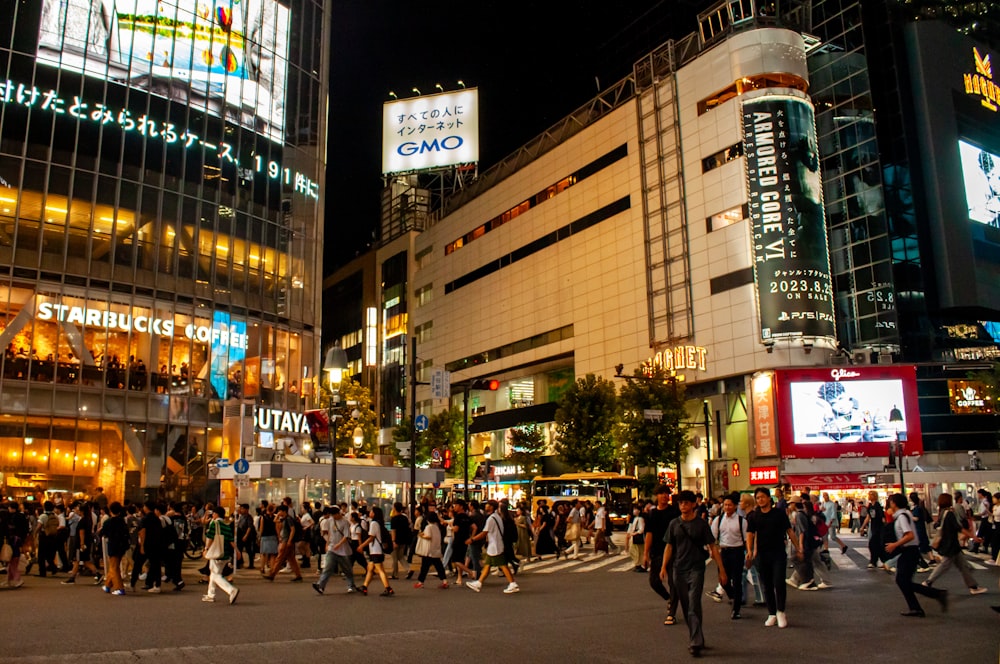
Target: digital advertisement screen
(848, 411)
(227, 57)
(981, 174)
(790, 251)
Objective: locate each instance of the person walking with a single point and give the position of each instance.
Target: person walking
(14, 533)
(429, 550)
(832, 515)
(493, 534)
(767, 530)
(687, 539)
(907, 550)
(337, 533)
(730, 530)
(872, 526)
(219, 527)
(400, 531)
(574, 526)
(375, 543)
(148, 549)
(949, 546)
(545, 540)
(288, 528)
(634, 539)
(657, 521)
(115, 534)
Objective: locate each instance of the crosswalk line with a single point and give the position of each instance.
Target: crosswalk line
(975, 565)
(565, 565)
(623, 568)
(607, 560)
(842, 560)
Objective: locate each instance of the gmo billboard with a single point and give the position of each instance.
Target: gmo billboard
(790, 251)
(432, 131)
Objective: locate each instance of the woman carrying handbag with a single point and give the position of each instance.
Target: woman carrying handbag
(219, 541)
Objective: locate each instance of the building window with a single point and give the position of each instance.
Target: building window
(721, 157)
(422, 256)
(425, 332)
(728, 218)
(748, 83)
(424, 294)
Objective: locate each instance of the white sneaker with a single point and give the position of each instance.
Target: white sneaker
(979, 590)
(474, 585)
(514, 588)
(142, 577)
(808, 585)
(791, 583)
(206, 598)
(155, 590)
(782, 620)
(824, 585)
(771, 621)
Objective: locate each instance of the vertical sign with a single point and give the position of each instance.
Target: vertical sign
(785, 192)
(765, 427)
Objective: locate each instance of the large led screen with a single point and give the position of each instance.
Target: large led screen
(981, 173)
(847, 411)
(228, 57)
(433, 131)
(790, 251)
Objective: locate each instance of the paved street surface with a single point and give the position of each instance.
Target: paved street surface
(593, 610)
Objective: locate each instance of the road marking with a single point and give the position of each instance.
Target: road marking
(624, 568)
(565, 565)
(607, 560)
(843, 560)
(975, 565)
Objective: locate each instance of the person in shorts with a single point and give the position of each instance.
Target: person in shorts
(493, 534)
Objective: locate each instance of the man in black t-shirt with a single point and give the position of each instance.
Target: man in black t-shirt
(657, 520)
(462, 533)
(687, 539)
(767, 527)
(149, 548)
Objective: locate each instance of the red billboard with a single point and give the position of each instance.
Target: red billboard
(851, 411)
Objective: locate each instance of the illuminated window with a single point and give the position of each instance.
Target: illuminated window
(424, 332)
(424, 294)
(748, 83)
(722, 157)
(728, 218)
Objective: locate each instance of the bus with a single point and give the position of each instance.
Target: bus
(617, 491)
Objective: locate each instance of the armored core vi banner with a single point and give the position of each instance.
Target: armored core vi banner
(791, 255)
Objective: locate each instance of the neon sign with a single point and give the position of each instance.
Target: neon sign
(152, 128)
(981, 83)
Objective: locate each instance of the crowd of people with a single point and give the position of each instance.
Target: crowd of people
(750, 537)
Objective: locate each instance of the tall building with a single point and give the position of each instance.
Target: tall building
(160, 238)
(778, 208)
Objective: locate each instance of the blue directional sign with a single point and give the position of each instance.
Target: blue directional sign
(420, 423)
(241, 466)
(222, 463)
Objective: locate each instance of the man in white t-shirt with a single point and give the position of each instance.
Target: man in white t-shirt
(601, 525)
(304, 547)
(493, 534)
(337, 533)
(574, 524)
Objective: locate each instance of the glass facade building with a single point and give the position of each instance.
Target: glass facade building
(160, 234)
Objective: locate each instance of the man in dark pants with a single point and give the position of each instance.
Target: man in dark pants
(873, 523)
(767, 528)
(687, 540)
(730, 531)
(657, 520)
(149, 548)
(908, 550)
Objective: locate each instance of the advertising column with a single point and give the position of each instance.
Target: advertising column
(790, 251)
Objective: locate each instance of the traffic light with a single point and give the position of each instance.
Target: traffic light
(447, 459)
(490, 384)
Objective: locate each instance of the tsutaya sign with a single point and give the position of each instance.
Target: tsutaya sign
(678, 358)
(981, 83)
(275, 419)
(113, 320)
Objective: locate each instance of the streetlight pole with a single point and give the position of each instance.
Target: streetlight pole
(465, 434)
(335, 364)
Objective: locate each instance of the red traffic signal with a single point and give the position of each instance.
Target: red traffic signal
(447, 459)
(490, 384)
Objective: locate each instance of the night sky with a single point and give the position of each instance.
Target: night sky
(533, 62)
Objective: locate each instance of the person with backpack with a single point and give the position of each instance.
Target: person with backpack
(493, 533)
(904, 545)
(400, 531)
(730, 531)
(509, 537)
(378, 543)
(48, 540)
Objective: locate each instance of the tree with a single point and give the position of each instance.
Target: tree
(991, 383)
(353, 398)
(585, 419)
(445, 431)
(654, 440)
(528, 442)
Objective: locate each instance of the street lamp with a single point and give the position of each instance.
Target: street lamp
(334, 366)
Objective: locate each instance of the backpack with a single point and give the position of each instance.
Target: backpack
(385, 539)
(403, 534)
(169, 532)
(51, 527)
(509, 533)
(813, 540)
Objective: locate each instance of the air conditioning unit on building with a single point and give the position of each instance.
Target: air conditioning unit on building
(861, 356)
(885, 357)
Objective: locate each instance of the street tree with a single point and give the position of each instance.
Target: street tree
(652, 414)
(528, 443)
(990, 379)
(585, 419)
(353, 410)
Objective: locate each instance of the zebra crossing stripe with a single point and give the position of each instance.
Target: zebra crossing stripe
(565, 565)
(623, 568)
(607, 560)
(842, 560)
(975, 565)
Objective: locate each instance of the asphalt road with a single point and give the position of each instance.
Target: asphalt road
(590, 611)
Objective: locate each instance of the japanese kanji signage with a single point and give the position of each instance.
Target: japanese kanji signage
(763, 475)
(765, 426)
(428, 132)
(788, 224)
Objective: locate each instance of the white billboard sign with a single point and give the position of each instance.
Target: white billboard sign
(432, 131)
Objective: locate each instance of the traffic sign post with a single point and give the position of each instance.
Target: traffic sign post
(421, 422)
(222, 463)
(241, 467)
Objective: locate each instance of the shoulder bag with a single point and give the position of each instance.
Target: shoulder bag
(216, 549)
